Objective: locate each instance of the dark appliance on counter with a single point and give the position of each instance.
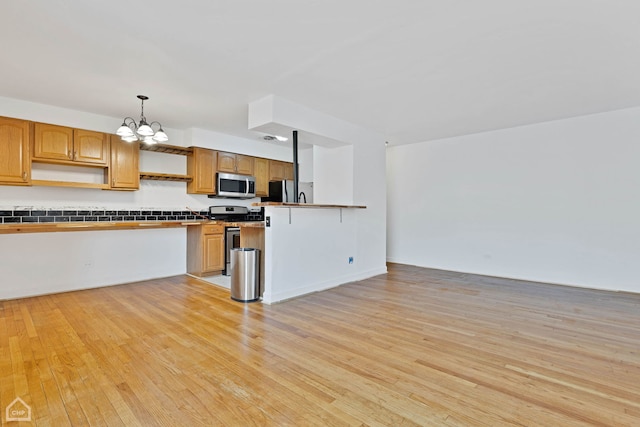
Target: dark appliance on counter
(283, 191)
(235, 186)
(232, 233)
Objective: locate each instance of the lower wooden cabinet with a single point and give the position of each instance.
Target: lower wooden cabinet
(205, 249)
(213, 252)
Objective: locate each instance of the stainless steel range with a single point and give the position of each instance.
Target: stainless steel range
(232, 214)
(228, 213)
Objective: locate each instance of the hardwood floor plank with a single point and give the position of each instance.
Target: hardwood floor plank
(411, 347)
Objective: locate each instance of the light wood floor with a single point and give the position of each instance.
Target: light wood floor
(412, 347)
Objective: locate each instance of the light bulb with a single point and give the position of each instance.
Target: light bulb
(144, 129)
(124, 130)
(160, 136)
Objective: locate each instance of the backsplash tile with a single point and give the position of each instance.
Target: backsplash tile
(38, 214)
(43, 215)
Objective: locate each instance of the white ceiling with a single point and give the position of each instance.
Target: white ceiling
(411, 70)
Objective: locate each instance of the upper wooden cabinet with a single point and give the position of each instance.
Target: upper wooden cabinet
(60, 144)
(15, 165)
(124, 172)
(234, 163)
(280, 170)
(276, 170)
(244, 164)
(90, 147)
(288, 170)
(201, 167)
(261, 172)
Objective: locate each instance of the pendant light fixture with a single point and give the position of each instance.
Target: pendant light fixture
(130, 132)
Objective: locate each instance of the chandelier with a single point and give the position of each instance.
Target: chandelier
(130, 132)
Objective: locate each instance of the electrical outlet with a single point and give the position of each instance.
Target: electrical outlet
(268, 220)
(350, 260)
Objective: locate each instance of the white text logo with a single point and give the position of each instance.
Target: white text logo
(18, 410)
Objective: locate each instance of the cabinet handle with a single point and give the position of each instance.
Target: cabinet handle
(69, 154)
(24, 176)
(75, 154)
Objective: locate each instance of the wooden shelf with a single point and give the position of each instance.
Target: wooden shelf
(169, 149)
(46, 183)
(165, 177)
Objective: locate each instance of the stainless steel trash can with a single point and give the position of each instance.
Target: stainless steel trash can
(245, 274)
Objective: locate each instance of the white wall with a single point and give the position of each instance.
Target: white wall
(555, 202)
(43, 263)
(333, 170)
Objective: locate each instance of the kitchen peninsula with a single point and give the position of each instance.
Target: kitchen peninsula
(308, 248)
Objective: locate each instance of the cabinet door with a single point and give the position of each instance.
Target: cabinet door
(125, 164)
(276, 170)
(288, 170)
(244, 164)
(226, 162)
(51, 142)
(90, 147)
(261, 172)
(213, 252)
(15, 165)
(201, 168)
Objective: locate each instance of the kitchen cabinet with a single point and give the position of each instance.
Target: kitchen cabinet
(205, 249)
(213, 252)
(124, 172)
(201, 167)
(60, 144)
(15, 164)
(261, 172)
(288, 170)
(234, 163)
(280, 170)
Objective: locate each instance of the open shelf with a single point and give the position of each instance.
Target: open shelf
(169, 149)
(165, 177)
(47, 183)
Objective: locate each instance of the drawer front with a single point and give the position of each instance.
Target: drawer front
(212, 229)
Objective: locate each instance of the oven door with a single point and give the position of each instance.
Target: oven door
(231, 240)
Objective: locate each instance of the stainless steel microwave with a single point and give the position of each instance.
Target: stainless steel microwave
(236, 186)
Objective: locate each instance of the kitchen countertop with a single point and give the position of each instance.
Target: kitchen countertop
(50, 227)
(241, 224)
(92, 226)
(308, 205)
